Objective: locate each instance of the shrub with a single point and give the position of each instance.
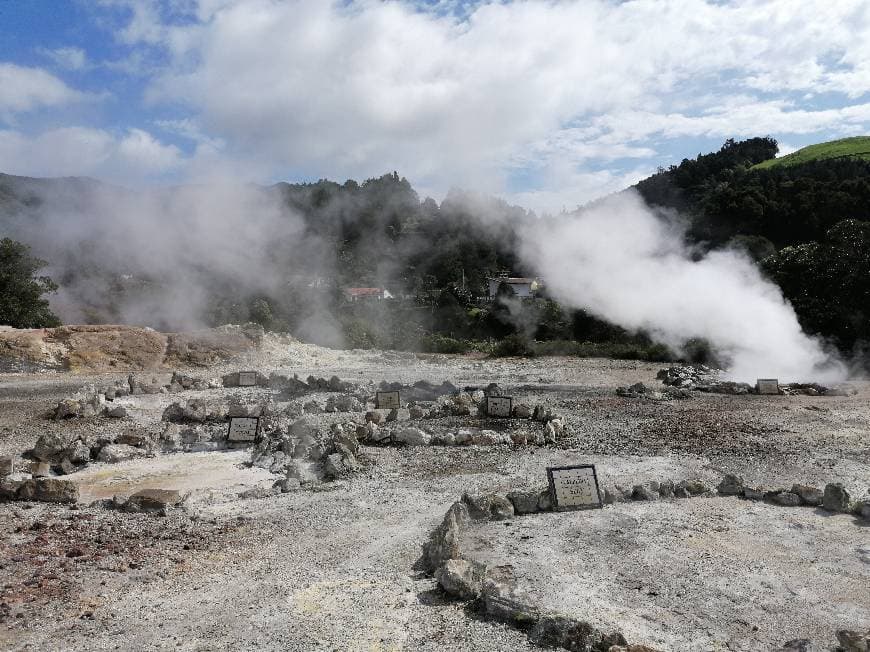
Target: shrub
(513, 345)
(442, 344)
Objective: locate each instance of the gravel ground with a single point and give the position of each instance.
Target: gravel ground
(336, 569)
(664, 573)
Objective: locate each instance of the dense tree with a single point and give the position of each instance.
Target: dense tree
(21, 290)
(828, 283)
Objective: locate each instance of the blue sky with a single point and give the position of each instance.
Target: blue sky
(548, 104)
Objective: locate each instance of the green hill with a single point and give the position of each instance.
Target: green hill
(855, 147)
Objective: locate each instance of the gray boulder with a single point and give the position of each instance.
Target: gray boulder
(787, 499)
(7, 467)
(443, 543)
(809, 495)
(343, 403)
(854, 641)
(731, 485)
(49, 490)
(488, 506)
(412, 437)
(153, 500)
(461, 579)
(644, 492)
(10, 484)
(616, 494)
(557, 631)
(836, 498)
(51, 446)
(114, 453)
(666, 489)
(503, 601)
(693, 486)
(524, 502)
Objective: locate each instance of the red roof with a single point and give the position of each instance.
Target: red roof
(363, 292)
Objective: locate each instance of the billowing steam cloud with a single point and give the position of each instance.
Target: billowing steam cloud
(164, 258)
(618, 260)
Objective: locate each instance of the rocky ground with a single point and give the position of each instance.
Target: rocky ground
(335, 565)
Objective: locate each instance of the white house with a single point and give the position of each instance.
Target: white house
(522, 287)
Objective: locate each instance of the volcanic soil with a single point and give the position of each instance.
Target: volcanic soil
(337, 568)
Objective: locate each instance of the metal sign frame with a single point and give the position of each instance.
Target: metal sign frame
(566, 508)
(386, 395)
(766, 381)
(247, 375)
(230, 429)
(510, 401)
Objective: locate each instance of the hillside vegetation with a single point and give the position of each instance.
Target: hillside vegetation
(807, 224)
(855, 147)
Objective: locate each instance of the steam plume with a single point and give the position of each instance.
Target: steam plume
(620, 261)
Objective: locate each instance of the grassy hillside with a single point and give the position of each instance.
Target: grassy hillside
(856, 147)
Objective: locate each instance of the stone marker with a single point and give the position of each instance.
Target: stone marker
(243, 428)
(574, 487)
(387, 400)
(247, 378)
(767, 386)
(499, 406)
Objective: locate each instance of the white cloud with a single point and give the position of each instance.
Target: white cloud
(354, 89)
(76, 151)
(25, 89)
(69, 58)
(462, 93)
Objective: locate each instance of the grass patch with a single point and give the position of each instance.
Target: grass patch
(855, 147)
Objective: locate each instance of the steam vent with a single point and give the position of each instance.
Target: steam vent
(435, 326)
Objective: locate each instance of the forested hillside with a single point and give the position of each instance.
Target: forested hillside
(287, 255)
(807, 224)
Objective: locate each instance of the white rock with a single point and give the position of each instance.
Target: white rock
(412, 437)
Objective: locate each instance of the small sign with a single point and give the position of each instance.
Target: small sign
(574, 487)
(499, 406)
(243, 428)
(767, 385)
(247, 378)
(387, 400)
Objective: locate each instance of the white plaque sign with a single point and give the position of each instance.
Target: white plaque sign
(243, 428)
(247, 378)
(574, 487)
(387, 400)
(767, 385)
(499, 406)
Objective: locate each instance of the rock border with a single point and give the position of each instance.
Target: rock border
(494, 590)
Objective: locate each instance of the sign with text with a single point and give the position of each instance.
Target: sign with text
(767, 385)
(243, 428)
(574, 487)
(387, 400)
(247, 378)
(499, 406)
